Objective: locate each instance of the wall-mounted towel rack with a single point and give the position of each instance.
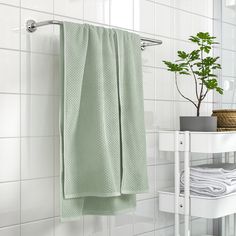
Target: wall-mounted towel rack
(32, 25)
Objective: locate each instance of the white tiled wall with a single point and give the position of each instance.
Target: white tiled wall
(29, 147)
(225, 27)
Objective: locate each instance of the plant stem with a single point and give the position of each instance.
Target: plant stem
(198, 107)
(200, 95)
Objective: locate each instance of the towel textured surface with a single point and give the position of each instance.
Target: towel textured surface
(103, 150)
(212, 180)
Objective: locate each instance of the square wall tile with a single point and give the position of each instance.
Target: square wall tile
(95, 225)
(96, 11)
(162, 219)
(37, 199)
(164, 176)
(9, 26)
(165, 232)
(121, 224)
(9, 204)
(38, 228)
(228, 66)
(144, 216)
(148, 56)
(184, 4)
(229, 85)
(41, 41)
(37, 75)
(10, 231)
(11, 2)
(164, 157)
(183, 24)
(164, 115)
(148, 82)
(200, 227)
(229, 36)
(164, 20)
(10, 115)
(164, 84)
(37, 157)
(228, 13)
(203, 7)
(74, 228)
(37, 115)
(144, 16)
(122, 230)
(10, 69)
(9, 159)
(165, 51)
(39, 5)
(202, 24)
(151, 148)
(126, 8)
(69, 8)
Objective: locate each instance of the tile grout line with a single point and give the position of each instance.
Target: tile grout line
(20, 62)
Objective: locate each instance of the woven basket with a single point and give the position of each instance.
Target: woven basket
(225, 129)
(226, 118)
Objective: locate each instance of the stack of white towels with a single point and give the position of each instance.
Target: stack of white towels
(211, 180)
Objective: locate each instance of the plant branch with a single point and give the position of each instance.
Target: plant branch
(188, 99)
(204, 95)
(195, 79)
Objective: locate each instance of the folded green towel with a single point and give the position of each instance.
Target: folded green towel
(103, 155)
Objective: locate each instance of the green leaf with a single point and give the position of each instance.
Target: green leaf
(194, 55)
(182, 54)
(220, 90)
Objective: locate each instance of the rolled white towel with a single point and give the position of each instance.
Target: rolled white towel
(211, 180)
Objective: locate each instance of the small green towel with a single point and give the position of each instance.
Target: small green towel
(103, 150)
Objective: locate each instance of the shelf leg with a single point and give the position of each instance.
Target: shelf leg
(234, 225)
(226, 157)
(177, 182)
(186, 184)
(234, 214)
(227, 221)
(226, 225)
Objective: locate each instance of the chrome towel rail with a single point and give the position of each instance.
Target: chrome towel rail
(32, 25)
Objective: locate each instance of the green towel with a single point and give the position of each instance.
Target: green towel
(103, 151)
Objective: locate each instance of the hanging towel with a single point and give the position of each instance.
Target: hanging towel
(103, 156)
(212, 180)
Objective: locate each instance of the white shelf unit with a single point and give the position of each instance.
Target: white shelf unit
(172, 201)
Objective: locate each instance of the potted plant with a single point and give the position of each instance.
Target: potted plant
(201, 67)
